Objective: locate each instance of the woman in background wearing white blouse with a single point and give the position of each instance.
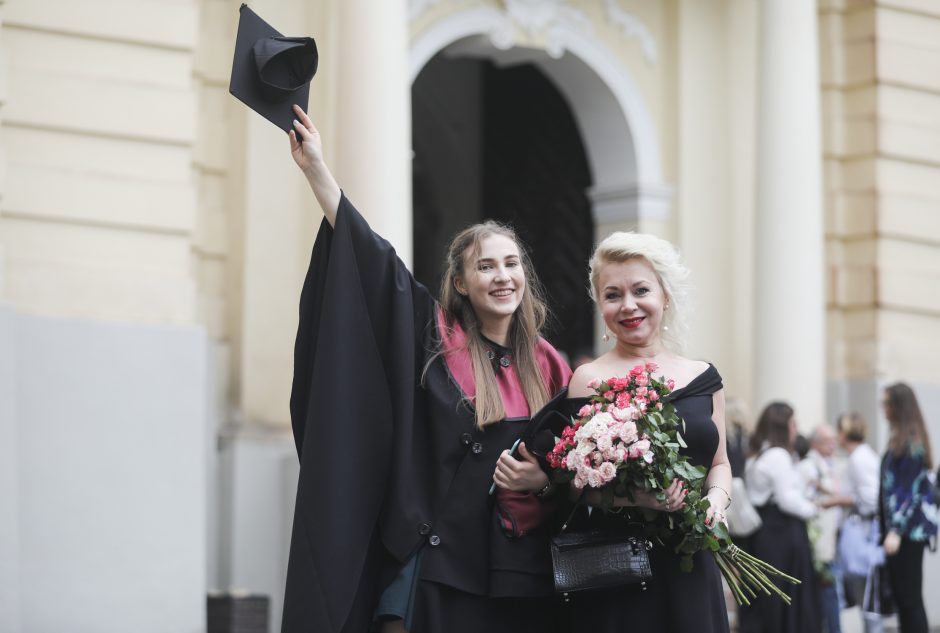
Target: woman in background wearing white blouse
(775, 487)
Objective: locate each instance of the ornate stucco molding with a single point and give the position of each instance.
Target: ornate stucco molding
(548, 20)
(543, 19)
(632, 28)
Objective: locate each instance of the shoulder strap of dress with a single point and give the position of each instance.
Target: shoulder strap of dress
(706, 383)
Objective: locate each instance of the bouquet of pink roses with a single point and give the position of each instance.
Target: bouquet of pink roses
(628, 438)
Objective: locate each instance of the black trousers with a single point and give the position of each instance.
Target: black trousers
(906, 571)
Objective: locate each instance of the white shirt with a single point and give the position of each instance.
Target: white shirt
(819, 480)
(772, 476)
(861, 479)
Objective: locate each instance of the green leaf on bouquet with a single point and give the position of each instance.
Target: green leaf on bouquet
(721, 532)
(681, 441)
(688, 471)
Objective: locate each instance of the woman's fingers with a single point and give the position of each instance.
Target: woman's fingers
(526, 455)
(675, 496)
(304, 119)
(299, 128)
(509, 461)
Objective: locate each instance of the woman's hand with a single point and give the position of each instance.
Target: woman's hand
(519, 475)
(717, 504)
(306, 148)
(675, 498)
(892, 543)
(307, 151)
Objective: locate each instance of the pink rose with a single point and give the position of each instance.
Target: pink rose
(618, 455)
(573, 461)
(636, 371)
(609, 395)
(642, 391)
(653, 396)
(607, 471)
(628, 432)
(594, 479)
(594, 383)
(638, 448)
(642, 380)
(580, 481)
(585, 411)
(623, 399)
(651, 367)
(671, 384)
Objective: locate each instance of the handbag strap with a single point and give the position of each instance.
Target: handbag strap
(564, 526)
(577, 504)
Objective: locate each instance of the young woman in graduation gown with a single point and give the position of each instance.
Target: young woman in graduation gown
(403, 412)
(637, 281)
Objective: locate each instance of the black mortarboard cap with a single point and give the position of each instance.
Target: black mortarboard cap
(271, 72)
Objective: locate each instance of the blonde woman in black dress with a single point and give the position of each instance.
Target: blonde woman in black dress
(638, 285)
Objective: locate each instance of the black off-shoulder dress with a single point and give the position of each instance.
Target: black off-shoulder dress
(675, 601)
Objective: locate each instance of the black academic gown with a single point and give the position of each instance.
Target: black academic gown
(388, 464)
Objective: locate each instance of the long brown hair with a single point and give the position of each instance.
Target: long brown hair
(773, 427)
(908, 430)
(524, 328)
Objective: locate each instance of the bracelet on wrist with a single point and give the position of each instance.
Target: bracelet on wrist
(710, 488)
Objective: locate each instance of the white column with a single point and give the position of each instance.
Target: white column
(790, 311)
(373, 115)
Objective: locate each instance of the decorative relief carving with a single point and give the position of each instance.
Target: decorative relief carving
(544, 19)
(632, 28)
(535, 17)
(547, 20)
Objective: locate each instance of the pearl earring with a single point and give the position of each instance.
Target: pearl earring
(606, 337)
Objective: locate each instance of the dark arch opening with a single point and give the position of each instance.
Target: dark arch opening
(502, 143)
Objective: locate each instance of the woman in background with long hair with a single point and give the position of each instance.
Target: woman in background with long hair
(775, 487)
(908, 513)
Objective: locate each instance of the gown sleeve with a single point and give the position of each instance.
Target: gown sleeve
(356, 357)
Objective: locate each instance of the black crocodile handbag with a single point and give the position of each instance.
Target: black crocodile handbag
(597, 559)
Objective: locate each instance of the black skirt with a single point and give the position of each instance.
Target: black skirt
(783, 542)
(439, 609)
(674, 601)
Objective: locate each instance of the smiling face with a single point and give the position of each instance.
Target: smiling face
(632, 301)
(493, 279)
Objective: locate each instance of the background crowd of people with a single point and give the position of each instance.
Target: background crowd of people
(852, 524)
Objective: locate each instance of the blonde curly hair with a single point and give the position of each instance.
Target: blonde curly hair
(665, 261)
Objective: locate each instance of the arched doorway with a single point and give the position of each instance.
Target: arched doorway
(502, 143)
(616, 128)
